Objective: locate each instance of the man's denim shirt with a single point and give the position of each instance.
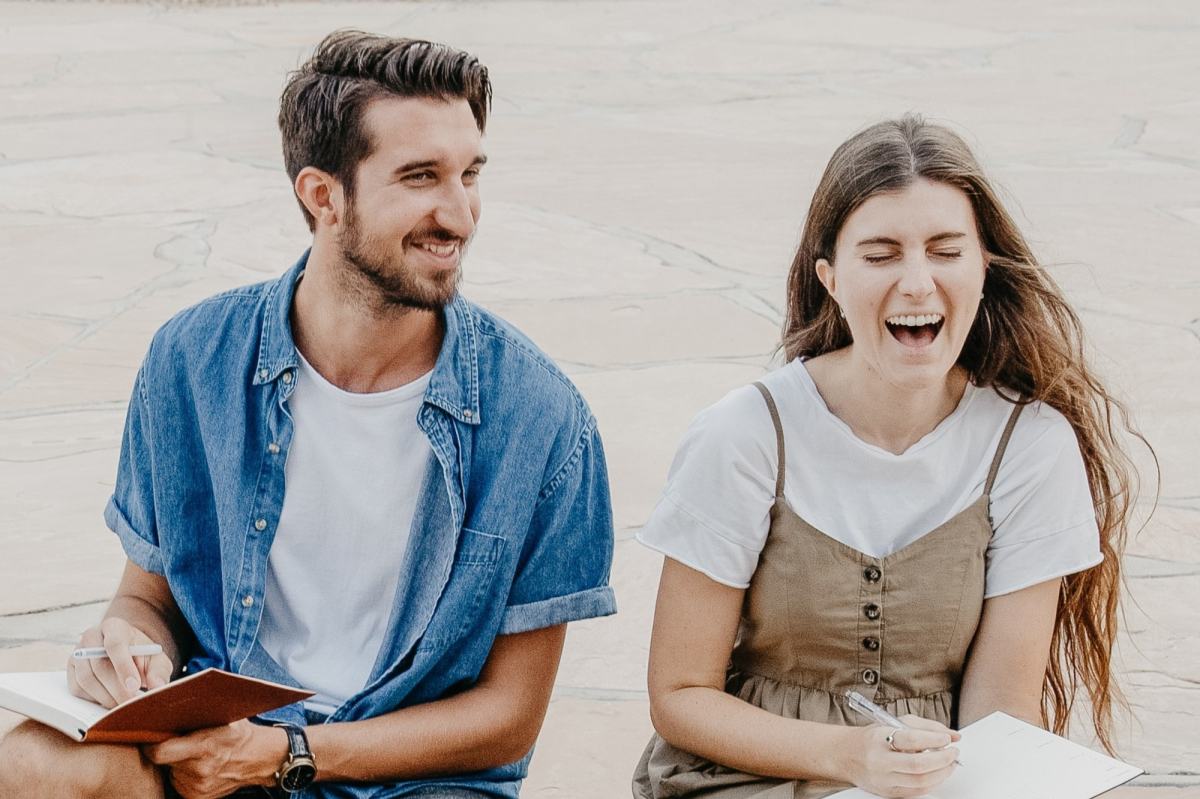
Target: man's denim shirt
(513, 529)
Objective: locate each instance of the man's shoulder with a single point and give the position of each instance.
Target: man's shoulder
(518, 373)
(222, 328)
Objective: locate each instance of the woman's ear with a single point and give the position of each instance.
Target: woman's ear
(827, 276)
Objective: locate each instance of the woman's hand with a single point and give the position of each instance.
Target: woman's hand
(918, 760)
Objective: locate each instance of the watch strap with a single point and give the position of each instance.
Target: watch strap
(297, 741)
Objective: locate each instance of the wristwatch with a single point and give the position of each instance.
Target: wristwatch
(300, 769)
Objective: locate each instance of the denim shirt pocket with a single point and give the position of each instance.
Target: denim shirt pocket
(472, 581)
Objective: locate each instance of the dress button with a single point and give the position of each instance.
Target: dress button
(872, 574)
(871, 644)
(273, 448)
(247, 601)
(260, 525)
(872, 611)
(870, 676)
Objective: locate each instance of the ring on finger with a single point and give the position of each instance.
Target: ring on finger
(891, 741)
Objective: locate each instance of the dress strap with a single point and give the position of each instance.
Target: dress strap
(778, 434)
(999, 456)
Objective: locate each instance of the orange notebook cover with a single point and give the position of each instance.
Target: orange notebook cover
(209, 698)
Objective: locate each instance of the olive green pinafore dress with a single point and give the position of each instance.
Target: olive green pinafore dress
(821, 618)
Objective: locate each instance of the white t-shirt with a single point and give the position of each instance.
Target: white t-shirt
(353, 475)
(714, 512)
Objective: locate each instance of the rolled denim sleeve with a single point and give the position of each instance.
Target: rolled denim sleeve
(564, 568)
(130, 511)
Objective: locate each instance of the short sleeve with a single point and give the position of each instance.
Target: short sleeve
(1044, 520)
(714, 513)
(130, 511)
(564, 567)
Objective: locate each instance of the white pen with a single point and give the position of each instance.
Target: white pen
(866, 707)
(97, 652)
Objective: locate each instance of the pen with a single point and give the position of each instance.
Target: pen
(97, 652)
(866, 707)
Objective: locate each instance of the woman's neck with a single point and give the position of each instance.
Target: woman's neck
(880, 413)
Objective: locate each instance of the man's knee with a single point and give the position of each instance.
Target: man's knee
(36, 761)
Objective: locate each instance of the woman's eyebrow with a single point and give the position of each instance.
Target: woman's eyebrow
(945, 237)
(878, 240)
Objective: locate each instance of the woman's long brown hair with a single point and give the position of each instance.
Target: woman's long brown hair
(1026, 343)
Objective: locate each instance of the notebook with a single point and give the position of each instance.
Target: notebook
(1003, 757)
(208, 698)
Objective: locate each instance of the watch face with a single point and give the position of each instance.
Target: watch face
(297, 777)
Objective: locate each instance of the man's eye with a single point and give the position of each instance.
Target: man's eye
(948, 253)
(877, 259)
(419, 177)
(471, 175)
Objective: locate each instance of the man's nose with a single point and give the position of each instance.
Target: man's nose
(917, 280)
(456, 210)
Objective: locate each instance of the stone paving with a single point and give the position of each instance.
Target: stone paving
(650, 167)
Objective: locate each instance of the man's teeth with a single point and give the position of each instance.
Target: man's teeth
(915, 321)
(443, 250)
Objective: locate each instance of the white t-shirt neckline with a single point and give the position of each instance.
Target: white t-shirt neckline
(940, 429)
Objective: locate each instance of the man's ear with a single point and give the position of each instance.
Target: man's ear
(827, 276)
(321, 194)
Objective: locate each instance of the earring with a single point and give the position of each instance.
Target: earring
(842, 312)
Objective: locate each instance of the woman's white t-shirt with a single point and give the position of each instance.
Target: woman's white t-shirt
(714, 512)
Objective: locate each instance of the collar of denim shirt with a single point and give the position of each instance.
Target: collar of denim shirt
(453, 386)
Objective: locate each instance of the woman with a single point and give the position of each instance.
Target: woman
(926, 505)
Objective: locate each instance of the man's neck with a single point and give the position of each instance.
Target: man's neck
(879, 413)
(355, 346)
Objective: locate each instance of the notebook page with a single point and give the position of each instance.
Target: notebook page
(49, 689)
(1004, 757)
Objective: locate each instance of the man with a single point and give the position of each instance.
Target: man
(349, 479)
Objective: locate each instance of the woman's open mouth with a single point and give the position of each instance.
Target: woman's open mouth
(915, 331)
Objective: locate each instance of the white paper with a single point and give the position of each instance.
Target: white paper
(43, 695)
(1003, 757)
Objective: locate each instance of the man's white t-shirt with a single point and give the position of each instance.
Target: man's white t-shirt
(353, 475)
(714, 512)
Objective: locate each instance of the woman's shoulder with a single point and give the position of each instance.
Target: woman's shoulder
(745, 409)
(1041, 431)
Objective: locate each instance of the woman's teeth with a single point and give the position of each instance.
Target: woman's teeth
(915, 321)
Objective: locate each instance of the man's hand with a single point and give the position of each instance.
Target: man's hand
(119, 677)
(213, 763)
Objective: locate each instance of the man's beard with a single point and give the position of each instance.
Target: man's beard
(387, 283)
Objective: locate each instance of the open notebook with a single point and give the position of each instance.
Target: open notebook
(209, 698)
(1003, 758)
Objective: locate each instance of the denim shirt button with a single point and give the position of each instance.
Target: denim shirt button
(273, 448)
(260, 525)
(262, 374)
(287, 377)
(247, 601)
(467, 413)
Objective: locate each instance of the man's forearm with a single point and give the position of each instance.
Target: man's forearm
(472, 731)
(493, 723)
(143, 600)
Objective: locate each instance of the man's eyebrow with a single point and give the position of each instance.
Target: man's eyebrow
(480, 160)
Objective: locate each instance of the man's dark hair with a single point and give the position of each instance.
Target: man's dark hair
(321, 110)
